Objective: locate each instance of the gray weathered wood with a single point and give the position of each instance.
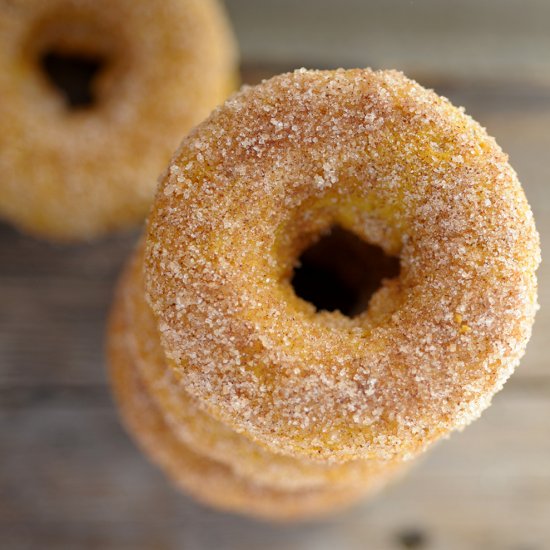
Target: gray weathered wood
(490, 39)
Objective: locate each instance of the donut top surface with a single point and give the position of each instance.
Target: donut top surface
(377, 155)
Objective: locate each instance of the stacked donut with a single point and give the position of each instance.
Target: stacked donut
(246, 394)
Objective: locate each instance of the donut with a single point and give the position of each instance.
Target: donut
(209, 481)
(77, 163)
(378, 156)
(197, 429)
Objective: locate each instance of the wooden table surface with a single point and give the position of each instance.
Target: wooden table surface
(71, 478)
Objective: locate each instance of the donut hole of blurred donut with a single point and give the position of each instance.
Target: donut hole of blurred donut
(78, 58)
(341, 271)
(73, 76)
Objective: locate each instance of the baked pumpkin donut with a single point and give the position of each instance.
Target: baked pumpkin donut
(77, 162)
(136, 328)
(209, 481)
(400, 167)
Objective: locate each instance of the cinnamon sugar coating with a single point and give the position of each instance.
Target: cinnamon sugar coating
(77, 173)
(401, 167)
(210, 481)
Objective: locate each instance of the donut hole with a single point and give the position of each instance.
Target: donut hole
(73, 76)
(341, 271)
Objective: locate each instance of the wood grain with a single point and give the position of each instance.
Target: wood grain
(70, 477)
(497, 40)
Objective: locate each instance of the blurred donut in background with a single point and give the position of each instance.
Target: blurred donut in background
(96, 96)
